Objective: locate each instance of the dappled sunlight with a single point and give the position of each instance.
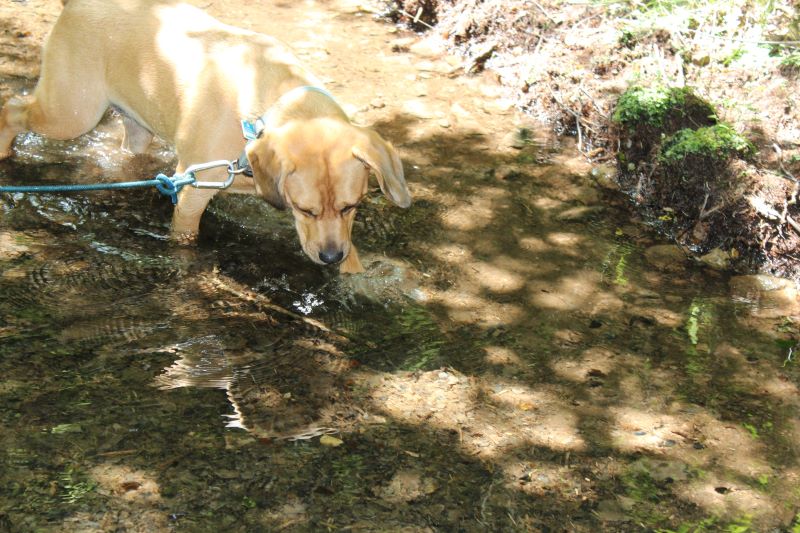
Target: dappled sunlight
(722, 496)
(535, 244)
(130, 485)
(726, 445)
(489, 416)
(132, 498)
(476, 212)
(547, 204)
(539, 478)
(466, 307)
(451, 253)
(509, 360)
(494, 278)
(593, 362)
(566, 240)
(502, 356)
(757, 377)
(582, 290)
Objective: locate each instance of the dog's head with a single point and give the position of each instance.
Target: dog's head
(319, 168)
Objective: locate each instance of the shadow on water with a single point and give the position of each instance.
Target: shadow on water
(525, 363)
(510, 361)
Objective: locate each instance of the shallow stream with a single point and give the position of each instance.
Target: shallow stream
(519, 356)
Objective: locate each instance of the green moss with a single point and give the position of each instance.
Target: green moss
(712, 145)
(662, 108)
(790, 64)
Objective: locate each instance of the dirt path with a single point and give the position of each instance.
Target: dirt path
(549, 366)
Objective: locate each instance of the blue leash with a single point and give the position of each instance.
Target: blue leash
(171, 186)
(168, 186)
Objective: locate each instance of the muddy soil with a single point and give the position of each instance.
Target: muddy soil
(521, 354)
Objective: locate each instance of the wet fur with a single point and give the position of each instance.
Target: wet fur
(178, 73)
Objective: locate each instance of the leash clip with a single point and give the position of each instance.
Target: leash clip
(194, 169)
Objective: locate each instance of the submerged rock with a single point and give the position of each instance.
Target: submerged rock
(772, 296)
(717, 259)
(11, 245)
(666, 257)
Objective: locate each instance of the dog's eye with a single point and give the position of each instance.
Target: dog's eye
(348, 209)
(307, 212)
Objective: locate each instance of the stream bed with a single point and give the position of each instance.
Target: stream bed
(521, 355)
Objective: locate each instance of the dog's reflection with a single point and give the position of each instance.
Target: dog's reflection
(293, 389)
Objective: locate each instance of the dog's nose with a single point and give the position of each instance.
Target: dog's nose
(330, 257)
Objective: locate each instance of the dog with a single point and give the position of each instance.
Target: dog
(174, 71)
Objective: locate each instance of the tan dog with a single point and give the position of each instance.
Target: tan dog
(178, 73)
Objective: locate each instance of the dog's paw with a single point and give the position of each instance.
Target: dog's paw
(184, 239)
(351, 264)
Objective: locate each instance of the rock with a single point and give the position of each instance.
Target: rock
(498, 106)
(11, 245)
(377, 103)
(773, 297)
(611, 511)
(439, 67)
(406, 486)
(717, 259)
(586, 195)
(579, 213)
(419, 109)
(605, 176)
(666, 257)
(453, 61)
(430, 47)
(758, 283)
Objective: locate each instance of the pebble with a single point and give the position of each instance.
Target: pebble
(717, 259)
(10, 246)
(605, 176)
(418, 109)
(666, 257)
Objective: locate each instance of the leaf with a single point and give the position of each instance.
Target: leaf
(327, 440)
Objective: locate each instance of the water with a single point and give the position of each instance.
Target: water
(510, 361)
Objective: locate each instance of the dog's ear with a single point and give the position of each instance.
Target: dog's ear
(267, 172)
(382, 158)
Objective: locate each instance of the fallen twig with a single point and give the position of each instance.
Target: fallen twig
(416, 19)
(544, 12)
(594, 103)
(786, 173)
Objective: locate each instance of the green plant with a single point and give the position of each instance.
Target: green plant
(657, 107)
(712, 145)
(791, 63)
(418, 323)
(75, 488)
(734, 56)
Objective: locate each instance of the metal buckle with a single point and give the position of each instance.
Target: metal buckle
(232, 172)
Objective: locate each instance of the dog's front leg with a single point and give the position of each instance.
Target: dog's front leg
(186, 217)
(351, 264)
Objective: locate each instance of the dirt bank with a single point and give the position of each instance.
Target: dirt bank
(568, 64)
